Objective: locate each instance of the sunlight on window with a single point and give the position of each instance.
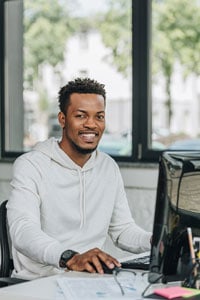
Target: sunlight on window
(61, 43)
(175, 74)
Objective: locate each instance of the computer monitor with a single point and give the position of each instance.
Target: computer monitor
(177, 208)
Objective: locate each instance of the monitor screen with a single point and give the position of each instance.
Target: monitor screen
(177, 208)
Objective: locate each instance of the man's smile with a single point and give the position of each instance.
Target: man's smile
(88, 137)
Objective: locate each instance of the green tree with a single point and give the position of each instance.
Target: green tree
(115, 27)
(176, 38)
(181, 24)
(47, 26)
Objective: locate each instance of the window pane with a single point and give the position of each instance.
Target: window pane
(61, 42)
(175, 74)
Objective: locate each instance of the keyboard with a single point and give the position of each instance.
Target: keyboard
(140, 263)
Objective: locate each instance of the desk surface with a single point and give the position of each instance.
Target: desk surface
(39, 289)
(43, 288)
(46, 288)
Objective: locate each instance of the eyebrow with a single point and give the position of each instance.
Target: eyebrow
(84, 111)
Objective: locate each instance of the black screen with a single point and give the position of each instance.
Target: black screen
(177, 207)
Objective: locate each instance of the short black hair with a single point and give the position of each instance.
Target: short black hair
(82, 86)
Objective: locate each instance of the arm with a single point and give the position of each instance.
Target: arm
(125, 233)
(27, 236)
(24, 216)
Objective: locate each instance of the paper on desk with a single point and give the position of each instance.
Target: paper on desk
(59, 294)
(96, 288)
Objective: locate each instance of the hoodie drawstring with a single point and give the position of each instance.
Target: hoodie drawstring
(82, 197)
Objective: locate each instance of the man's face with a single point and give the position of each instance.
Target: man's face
(84, 122)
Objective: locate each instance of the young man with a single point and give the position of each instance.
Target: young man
(67, 196)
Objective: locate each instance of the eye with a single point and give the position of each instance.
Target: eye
(101, 117)
(80, 116)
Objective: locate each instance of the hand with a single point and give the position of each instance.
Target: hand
(91, 261)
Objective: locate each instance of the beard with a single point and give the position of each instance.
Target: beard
(83, 150)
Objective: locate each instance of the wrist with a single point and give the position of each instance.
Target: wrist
(65, 257)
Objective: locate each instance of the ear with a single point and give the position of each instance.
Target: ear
(61, 119)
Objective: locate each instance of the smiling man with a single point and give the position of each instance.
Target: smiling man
(67, 196)
(83, 124)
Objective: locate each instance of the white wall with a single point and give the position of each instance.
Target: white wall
(140, 183)
(5, 176)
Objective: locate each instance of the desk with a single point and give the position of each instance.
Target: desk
(45, 288)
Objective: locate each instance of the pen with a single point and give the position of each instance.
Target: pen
(192, 254)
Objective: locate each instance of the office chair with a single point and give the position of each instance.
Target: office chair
(6, 263)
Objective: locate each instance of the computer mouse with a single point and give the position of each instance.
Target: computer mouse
(107, 270)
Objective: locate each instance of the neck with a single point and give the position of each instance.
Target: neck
(77, 157)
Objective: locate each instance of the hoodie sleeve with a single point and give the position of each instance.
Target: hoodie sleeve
(125, 233)
(23, 210)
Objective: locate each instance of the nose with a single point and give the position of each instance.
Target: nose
(90, 122)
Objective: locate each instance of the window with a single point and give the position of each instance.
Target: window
(175, 74)
(54, 43)
(146, 53)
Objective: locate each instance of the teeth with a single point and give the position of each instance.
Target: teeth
(88, 134)
(88, 137)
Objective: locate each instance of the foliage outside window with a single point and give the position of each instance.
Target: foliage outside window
(175, 73)
(61, 43)
(146, 53)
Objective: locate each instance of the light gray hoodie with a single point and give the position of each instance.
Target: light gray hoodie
(56, 205)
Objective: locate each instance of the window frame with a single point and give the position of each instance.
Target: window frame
(141, 94)
(1, 71)
(142, 83)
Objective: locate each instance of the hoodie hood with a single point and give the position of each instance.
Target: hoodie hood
(51, 149)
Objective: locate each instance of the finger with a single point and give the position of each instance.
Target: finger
(109, 260)
(90, 268)
(97, 264)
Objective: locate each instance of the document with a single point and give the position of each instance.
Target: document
(96, 288)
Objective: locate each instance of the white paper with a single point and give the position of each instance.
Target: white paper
(59, 294)
(97, 288)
